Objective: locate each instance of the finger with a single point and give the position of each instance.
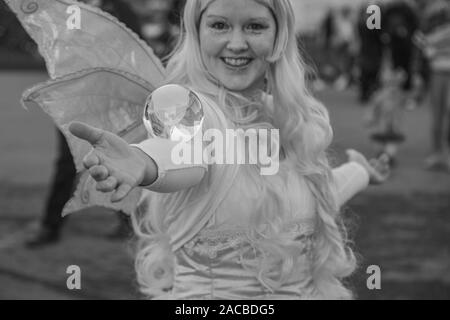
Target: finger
(386, 173)
(380, 166)
(384, 164)
(91, 160)
(99, 173)
(384, 158)
(107, 185)
(121, 192)
(85, 132)
(384, 170)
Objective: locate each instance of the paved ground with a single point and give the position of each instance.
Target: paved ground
(403, 226)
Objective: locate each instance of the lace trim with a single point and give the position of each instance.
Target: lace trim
(210, 242)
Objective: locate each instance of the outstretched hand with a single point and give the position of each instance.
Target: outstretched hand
(113, 163)
(377, 168)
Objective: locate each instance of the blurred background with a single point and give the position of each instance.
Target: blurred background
(387, 91)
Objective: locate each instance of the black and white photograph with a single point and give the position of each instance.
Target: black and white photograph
(231, 150)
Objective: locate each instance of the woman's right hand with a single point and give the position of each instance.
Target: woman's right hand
(113, 163)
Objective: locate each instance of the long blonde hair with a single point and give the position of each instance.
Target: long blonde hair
(305, 134)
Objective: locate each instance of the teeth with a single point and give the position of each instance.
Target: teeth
(237, 62)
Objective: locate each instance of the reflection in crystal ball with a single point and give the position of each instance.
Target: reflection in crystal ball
(173, 112)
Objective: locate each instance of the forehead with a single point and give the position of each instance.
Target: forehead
(238, 9)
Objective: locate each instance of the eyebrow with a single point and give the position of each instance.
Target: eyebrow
(265, 19)
(215, 16)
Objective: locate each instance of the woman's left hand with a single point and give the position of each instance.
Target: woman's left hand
(377, 168)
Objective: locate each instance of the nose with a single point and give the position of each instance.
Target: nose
(237, 42)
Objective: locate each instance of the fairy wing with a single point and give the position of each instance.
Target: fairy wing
(87, 97)
(101, 74)
(100, 41)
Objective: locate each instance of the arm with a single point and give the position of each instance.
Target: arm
(161, 173)
(349, 179)
(357, 174)
(171, 112)
(118, 167)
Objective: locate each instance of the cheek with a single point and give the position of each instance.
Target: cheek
(263, 47)
(210, 46)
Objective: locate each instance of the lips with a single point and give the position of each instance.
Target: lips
(237, 62)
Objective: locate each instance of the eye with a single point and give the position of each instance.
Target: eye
(256, 27)
(218, 25)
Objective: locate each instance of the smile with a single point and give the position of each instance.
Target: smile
(237, 62)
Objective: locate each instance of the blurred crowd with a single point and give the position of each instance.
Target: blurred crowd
(395, 67)
(353, 53)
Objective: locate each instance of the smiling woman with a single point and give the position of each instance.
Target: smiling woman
(235, 234)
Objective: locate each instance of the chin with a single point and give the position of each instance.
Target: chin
(236, 86)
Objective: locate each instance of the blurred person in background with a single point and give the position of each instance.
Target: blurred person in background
(328, 29)
(175, 17)
(327, 67)
(122, 10)
(64, 177)
(422, 67)
(399, 24)
(161, 24)
(370, 57)
(436, 46)
(385, 115)
(344, 44)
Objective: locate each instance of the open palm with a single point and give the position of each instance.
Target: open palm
(113, 163)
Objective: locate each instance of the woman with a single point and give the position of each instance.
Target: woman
(226, 231)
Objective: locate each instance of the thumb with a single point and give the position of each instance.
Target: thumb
(85, 132)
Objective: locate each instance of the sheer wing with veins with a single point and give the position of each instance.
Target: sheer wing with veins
(100, 74)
